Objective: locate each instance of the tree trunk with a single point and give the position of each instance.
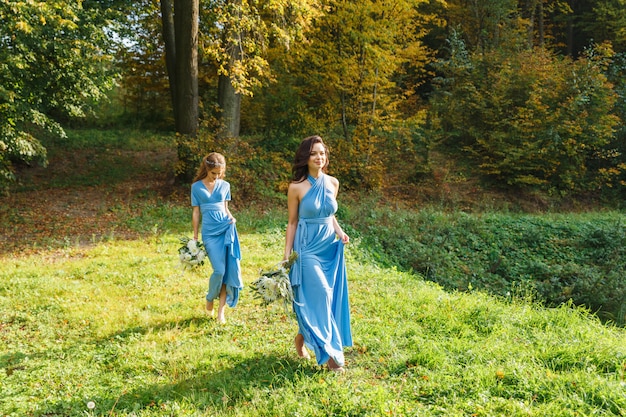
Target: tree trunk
(570, 29)
(228, 100)
(169, 40)
(530, 9)
(186, 15)
(230, 105)
(541, 25)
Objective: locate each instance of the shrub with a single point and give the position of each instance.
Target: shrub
(256, 174)
(530, 119)
(559, 257)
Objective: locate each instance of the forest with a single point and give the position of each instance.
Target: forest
(480, 147)
(522, 97)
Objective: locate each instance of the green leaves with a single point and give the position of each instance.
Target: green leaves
(530, 119)
(54, 63)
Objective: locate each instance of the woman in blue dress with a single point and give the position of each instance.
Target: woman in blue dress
(318, 277)
(210, 195)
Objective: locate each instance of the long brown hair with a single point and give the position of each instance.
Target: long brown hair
(300, 168)
(212, 160)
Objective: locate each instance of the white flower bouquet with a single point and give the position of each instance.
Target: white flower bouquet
(273, 284)
(191, 253)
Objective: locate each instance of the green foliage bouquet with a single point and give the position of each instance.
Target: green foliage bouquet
(192, 253)
(273, 284)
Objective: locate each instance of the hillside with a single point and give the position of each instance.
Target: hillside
(97, 318)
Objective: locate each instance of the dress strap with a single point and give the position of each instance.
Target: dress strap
(313, 180)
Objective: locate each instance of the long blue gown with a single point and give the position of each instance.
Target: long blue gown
(220, 239)
(318, 277)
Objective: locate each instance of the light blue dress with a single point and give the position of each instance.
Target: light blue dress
(318, 277)
(220, 239)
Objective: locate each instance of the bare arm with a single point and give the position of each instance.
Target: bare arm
(338, 230)
(228, 213)
(195, 221)
(293, 201)
(335, 182)
(340, 233)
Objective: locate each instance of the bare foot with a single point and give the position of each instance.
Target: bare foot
(220, 314)
(300, 349)
(209, 308)
(333, 366)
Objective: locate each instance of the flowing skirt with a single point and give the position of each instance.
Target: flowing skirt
(321, 301)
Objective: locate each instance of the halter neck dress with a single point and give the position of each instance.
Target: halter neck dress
(220, 239)
(319, 278)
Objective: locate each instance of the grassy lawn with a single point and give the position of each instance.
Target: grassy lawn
(120, 325)
(111, 326)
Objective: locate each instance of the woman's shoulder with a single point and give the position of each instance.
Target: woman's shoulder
(296, 183)
(333, 180)
(298, 187)
(334, 183)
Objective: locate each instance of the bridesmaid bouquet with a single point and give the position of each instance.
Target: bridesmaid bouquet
(273, 284)
(191, 253)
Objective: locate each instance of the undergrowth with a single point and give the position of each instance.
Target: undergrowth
(557, 257)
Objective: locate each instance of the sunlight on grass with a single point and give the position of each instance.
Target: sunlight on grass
(121, 325)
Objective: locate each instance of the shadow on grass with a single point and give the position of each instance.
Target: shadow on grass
(12, 362)
(233, 386)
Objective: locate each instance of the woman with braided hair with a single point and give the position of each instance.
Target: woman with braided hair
(210, 195)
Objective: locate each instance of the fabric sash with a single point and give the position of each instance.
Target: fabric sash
(213, 206)
(300, 244)
(232, 278)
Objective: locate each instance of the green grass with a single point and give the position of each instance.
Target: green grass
(121, 325)
(100, 158)
(558, 256)
(116, 322)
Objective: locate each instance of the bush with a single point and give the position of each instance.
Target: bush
(531, 119)
(257, 174)
(560, 257)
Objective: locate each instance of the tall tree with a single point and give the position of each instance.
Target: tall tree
(236, 36)
(485, 24)
(352, 78)
(605, 20)
(169, 40)
(55, 63)
(144, 83)
(530, 119)
(228, 98)
(180, 34)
